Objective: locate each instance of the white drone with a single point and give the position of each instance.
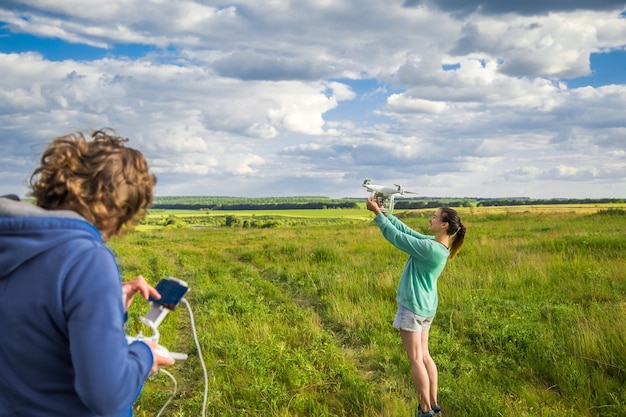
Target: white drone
(385, 194)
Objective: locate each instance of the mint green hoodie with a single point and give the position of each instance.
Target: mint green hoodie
(417, 290)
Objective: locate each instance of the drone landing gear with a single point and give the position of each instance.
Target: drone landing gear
(385, 204)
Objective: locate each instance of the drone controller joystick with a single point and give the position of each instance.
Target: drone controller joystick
(174, 355)
(160, 350)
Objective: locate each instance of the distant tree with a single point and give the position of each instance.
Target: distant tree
(232, 221)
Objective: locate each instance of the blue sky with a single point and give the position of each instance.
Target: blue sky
(264, 98)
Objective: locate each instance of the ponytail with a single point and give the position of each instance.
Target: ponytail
(456, 229)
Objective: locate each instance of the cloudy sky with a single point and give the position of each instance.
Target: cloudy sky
(257, 98)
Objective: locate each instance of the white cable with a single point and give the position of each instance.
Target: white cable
(195, 338)
(155, 337)
(173, 394)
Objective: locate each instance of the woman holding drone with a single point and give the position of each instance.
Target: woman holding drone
(417, 291)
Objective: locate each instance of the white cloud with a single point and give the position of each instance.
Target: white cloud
(402, 104)
(247, 98)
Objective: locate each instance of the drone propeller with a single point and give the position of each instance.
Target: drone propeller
(402, 191)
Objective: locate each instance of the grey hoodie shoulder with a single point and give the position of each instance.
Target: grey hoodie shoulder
(9, 207)
(28, 231)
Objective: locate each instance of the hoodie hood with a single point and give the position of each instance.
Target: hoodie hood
(27, 231)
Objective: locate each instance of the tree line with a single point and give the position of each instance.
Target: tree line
(258, 206)
(313, 203)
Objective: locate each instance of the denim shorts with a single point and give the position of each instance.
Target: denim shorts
(411, 322)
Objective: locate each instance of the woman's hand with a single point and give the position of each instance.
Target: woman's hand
(372, 205)
(139, 284)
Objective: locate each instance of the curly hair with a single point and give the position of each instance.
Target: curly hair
(106, 182)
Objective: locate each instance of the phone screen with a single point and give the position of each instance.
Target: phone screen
(172, 291)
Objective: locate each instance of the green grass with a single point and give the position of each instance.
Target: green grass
(296, 321)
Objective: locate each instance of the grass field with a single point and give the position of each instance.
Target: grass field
(295, 319)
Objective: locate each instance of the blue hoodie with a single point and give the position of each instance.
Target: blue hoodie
(63, 351)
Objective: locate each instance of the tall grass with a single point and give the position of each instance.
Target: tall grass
(297, 321)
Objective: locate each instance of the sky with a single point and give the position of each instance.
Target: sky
(269, 98)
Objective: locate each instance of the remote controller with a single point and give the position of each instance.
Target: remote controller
(160, 350)
(177, 356)
(172, 291)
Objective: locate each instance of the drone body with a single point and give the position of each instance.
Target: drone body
(385, 194)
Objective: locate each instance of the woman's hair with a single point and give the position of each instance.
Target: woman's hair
(102, 180)
(456, 229)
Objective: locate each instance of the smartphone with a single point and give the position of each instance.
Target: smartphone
(172, 291)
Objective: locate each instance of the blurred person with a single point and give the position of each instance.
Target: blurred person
(417, 290)
(63, 349)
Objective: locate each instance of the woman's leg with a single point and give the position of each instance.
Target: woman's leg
(412, 342)
(431, 369)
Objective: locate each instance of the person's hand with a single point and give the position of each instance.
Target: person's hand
(159, 360)
(139, 284)
(372, 205)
